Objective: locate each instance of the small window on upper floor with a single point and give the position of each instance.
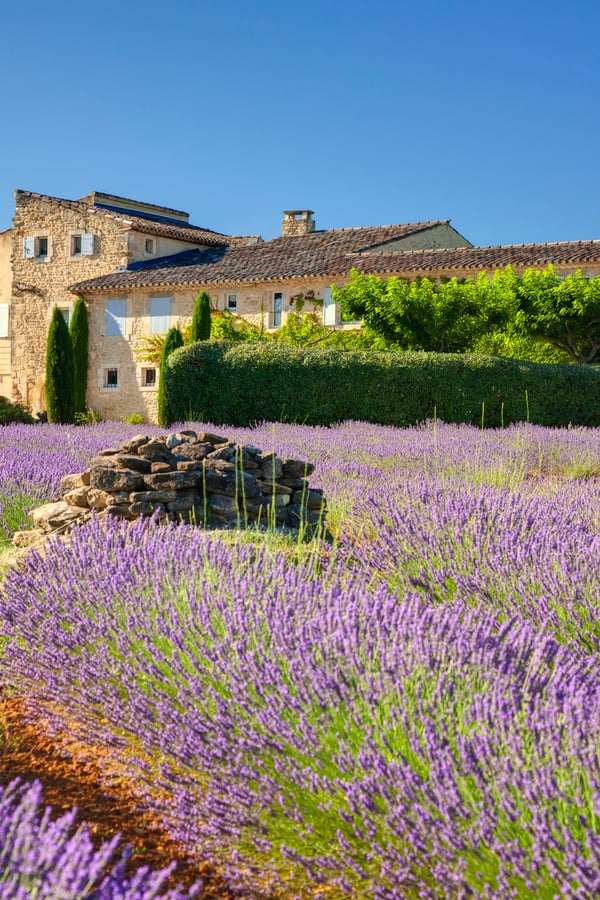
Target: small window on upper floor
(232, 302)
(36, 247)
(80, 244)
(150, 247)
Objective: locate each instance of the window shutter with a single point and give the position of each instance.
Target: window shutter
(87, 244)
(329, 310)
(3, 320)
(29, 248)
(160, 315)
(115, 318)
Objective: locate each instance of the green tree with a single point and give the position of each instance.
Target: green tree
(79, 340)
(564, 312)
(60, 374)
(201, 321)
(173, 340)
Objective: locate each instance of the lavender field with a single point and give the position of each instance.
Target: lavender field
(411, 710)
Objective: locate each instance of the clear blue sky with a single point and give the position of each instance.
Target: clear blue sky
(368, 113)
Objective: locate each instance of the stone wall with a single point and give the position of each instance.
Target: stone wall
(202, 478)
(42, 282)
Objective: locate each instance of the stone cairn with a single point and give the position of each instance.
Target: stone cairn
(201, 478)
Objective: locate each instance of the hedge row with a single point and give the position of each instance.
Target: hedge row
(240, 384)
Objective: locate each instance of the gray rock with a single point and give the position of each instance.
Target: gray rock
(134, 443)
(71, 482)
(131, 461)
(140, 508)
(97, 499)
(171, 480)
(155, 450)
(51, 516)
(297, 468)
(113, 480)
(210, 438)
(166, 496)
(110, 451)
(312, 498)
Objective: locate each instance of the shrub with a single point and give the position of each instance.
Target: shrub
(173, 341)
(241, 384)
(60, 372)
(201, 324)
(14, 412)
(79, 340)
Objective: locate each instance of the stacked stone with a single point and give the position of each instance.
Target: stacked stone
(187, 476)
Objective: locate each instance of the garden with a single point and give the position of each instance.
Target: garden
(404, 706)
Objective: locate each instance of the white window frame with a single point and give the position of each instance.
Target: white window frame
(103, 378)
(330, 312)
(145, 386)
(116, 317)
(277, 308)
(67, 312)
(32, 247)
(86, 244)
(4, 320)
(231, 302)
(160, 313)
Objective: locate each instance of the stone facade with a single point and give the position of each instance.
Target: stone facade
(198, 477)
(54, 243)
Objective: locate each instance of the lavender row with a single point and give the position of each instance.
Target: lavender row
(305, 727)
(48, 856)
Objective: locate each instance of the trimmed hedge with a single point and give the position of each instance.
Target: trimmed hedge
(241, 384)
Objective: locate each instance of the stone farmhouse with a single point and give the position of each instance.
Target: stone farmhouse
(140, 267)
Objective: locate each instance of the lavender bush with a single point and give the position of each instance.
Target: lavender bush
(411, 713)
(45, 856)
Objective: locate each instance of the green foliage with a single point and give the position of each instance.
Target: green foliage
(173, 340)
(241, 384)
(201, 321)
(88, 417)
(135, 419)
(565, 312)
(60, 373)
(79, 340)
(456, 316)
(516, 346)
(228, 326)
(14, 412)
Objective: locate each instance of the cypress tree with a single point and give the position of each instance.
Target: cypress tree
(79, 341)
(173, 340)
(201, 323)
(60, 376)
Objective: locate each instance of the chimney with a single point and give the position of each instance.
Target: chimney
(297, 221)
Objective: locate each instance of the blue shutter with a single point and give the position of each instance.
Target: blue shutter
(87, 244)
(160, 315)
(116, 311)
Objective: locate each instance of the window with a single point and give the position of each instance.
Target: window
(160, 315)
(116, 311)
(150, 247)
(80, 244)
(149, 377)
(36, 247)
(232, 301)
(67, 312)
(329, 307)
(277, 307)
(3, 320)
(110, 378)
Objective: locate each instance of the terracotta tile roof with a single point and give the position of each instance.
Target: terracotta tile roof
(320, 253)
(333, 254)
(146, 223)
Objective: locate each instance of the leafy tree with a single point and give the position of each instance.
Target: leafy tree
(173, 340)
(423, 315)
(60, 373)
(79, 339)
(565, 312)
(201, 322)
(519, 346)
